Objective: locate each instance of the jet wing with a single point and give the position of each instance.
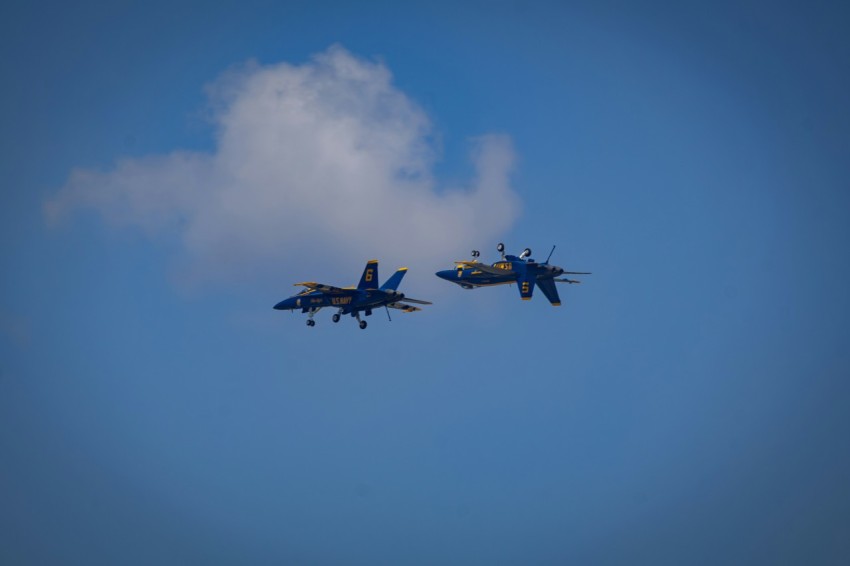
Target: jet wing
(488, 269)
(326, 288)
(403, 307)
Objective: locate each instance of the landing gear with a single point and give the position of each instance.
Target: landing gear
(335, 317)
(362, 322)
(311, 322)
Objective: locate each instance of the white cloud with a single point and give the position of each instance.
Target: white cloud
(325, 163)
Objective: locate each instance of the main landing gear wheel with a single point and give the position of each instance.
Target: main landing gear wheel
(362, 324)
(335, 318)
(311, 322)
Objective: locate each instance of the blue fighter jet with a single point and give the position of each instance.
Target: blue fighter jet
(352, 300)
(522, 270)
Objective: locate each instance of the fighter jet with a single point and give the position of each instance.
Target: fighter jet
(522, 270)
(352, 300)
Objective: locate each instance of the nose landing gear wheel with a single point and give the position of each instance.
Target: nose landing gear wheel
(335, 318)
(362, 324)
(311, 322)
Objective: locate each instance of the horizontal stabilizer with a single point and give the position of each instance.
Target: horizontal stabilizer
(403, 307)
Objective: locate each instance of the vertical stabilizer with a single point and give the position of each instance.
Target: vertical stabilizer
(550, 290)
(525, 284)
(369, 279)
(393, 282)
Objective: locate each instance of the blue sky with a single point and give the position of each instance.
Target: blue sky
(687, 405)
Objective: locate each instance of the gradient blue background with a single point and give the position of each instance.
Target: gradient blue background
(687, 405)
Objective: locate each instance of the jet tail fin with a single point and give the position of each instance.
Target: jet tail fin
(393, 282)
(550, 290)
(526, 287)
(369, 279)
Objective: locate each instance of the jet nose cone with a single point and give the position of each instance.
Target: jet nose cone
(280, 306)
(446, 274)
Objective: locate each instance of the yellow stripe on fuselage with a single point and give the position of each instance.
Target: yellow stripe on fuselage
(488, 284)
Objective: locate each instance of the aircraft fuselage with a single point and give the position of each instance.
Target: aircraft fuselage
(468, 276)
(358, 300)
(526, 273)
